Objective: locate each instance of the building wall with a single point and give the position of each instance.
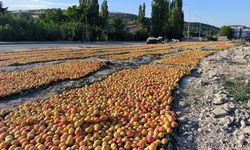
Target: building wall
(245, 34)
(241, 32)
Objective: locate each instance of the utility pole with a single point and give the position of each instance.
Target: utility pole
(200, 30)
(200, 27)
(188, 35)
(189, 9)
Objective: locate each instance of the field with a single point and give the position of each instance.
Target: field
(95, 98)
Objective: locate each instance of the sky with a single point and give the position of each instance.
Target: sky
(214, 12)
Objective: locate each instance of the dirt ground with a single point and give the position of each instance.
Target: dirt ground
(211, 118)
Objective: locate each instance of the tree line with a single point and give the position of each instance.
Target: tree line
(90, 21)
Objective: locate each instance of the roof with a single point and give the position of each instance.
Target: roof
(240, 26)
(132, 25)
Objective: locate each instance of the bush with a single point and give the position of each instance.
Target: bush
(141, 34)
(238, 90)
(225, 31)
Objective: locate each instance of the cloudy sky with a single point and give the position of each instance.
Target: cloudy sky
(215, 12)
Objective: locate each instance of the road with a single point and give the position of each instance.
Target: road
(10, 46)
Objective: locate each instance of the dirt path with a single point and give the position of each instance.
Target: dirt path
(211, 118)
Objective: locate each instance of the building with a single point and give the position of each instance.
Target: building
(132, 26)
(236, 31)
(240, 32)
(245, 33)
(222, 38)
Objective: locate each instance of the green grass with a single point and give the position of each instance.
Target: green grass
(238, 90)
(240, 43)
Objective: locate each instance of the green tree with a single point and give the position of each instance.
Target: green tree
(141, 34)
(104, 16)
(89, 11)
(159, 20)
(117, 30)
(155, 18)
(83, 2)
(104, 13)
(2, 9)
(166, 27)
(176, 19)
(92, 12)
(53, 16)
(141, 14)
(225, 31)
(73, 14)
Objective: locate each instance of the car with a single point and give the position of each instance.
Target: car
(153, 40)
(175, 40)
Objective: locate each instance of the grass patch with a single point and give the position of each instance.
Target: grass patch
(237, 63)
(240, 43)
(238, 90)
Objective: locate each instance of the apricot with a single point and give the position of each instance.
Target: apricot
(127, 110)
(4, 145)
(164, 141)
(174, 124)
(41, 147)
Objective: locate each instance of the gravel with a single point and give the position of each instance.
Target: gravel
(223, 123)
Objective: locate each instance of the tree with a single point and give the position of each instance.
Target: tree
(83, 2)
(176, 19)
(104, 16)
(141, 14)
(89, 11)
(155, 18)
(166, 27)
(159, 20)
(92, 12)
(104, 13)
(73, 14)
(117, 31)
(53, 16)
(225, 31)
(89, 16)
(141, 34)
(2, 9)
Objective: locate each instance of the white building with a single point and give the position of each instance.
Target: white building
(240, 31)
(236, 29)
(245, 33)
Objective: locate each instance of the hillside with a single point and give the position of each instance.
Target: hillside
(206, 29)
(126, 17)
(31, 12)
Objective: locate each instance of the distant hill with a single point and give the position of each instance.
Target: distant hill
(206, 29)
(112, 15)
(126, 17)
(32, 12)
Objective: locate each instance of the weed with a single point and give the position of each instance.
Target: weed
(238, 90)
